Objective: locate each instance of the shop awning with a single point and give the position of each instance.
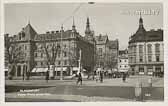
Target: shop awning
(122, 70)
(59, 69)
(39, 69)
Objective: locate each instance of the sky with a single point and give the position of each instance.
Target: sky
(117, 20)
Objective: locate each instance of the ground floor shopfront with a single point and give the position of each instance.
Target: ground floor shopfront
(147, 69)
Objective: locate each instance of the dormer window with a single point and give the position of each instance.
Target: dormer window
(23, 34)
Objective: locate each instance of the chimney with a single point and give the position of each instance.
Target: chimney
(57, 31)
(52, 32)
(47, 32)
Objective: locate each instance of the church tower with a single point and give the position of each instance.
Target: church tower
(89, 35)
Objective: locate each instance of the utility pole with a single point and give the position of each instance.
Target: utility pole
(61, 72)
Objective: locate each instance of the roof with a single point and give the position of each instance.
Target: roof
(148, 36)
(101, 39)
(57, 35)
(113, 44)
(29, 31)
(121, 52)
(54, 35)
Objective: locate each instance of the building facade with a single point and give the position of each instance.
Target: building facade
(106, 52)
(123, 65)
(146, 51)
(38, 50)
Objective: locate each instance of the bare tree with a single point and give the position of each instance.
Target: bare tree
(51, 53)
(14, 55)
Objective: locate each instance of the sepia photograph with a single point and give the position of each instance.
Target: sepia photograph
(83, 52)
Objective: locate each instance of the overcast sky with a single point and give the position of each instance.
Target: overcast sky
(118, 21)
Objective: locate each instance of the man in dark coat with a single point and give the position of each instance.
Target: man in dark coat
(101, 76)
(79, 78)
(124, 77)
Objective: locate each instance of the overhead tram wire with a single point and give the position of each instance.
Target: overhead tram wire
(75, 10)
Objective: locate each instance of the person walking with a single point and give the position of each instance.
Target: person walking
(79, 79)
(47, 76)
(101, 76)
(124, 77)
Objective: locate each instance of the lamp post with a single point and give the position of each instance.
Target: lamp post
(61, 71)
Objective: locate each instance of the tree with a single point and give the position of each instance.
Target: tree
(51, 53)
(14, 54)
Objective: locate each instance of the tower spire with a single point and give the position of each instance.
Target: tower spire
(140, 21)
(87, 31)
(73, 26)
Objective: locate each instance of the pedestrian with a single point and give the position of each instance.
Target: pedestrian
(47, 76)
(109, 73)
(97, 76)
(23, 75)
(101, 76)
(79, 79)
(124, 77)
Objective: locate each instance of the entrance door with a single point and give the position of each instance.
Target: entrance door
(18, 70)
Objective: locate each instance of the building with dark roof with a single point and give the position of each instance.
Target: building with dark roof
(35, 57)
(145, 51)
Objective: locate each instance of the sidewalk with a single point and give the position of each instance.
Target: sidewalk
(131, 81)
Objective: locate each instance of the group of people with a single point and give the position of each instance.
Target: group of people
(98, 75)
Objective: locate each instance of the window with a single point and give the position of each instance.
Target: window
(150, 69)
(64, 46)
(41, 63)
(140, 58)
(134, 48)
(25, 47)
(120, 60)
(59, 62)
(35, 63)
(35, 54)
(100, 51)
(65, 54)
(20, 36)
(23, 34)
(141, 69)
(149, 58)
(125, 66)
(140, 48)
(149, 48)
(125, 60)
(157, 58)
(65, 62)
(41, 54)
(59, 53)
(157, 48)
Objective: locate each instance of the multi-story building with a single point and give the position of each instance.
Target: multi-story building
(35, 55)
(123, 65)
(146, 49)
(106, 52)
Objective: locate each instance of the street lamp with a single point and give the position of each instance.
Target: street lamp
(61, 71)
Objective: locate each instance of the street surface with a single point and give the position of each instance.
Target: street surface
(67, 90)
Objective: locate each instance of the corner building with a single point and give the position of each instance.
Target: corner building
(146, 51)
(35, 59)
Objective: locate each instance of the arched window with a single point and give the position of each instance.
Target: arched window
(140, 48)
(157, 48)
(149, 48)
